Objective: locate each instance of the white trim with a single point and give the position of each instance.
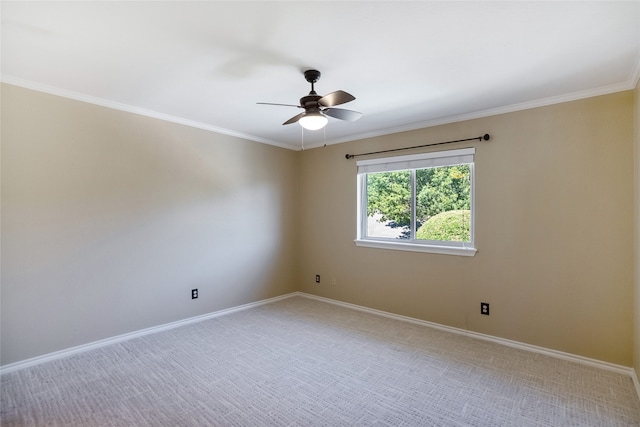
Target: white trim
(449, 158)
(414, 247)
(636, 383)
(12, 367)
(527, 105)
(630, 84)
(15, 81)
(412, 162)
(634, 77)
(624, 370)
(612, 367)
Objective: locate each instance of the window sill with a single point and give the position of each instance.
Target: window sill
(445, 250)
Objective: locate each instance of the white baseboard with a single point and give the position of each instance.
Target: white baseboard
(12, 367)
(634, 377)
(624, 370)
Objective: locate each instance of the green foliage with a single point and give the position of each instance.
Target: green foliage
(439, 190)
(389, 194)
(442, 189)
(452, 226)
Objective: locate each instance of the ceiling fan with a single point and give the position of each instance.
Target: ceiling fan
(317, 108)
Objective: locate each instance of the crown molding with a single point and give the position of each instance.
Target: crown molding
(39, 87)
(630, 84)
(634, 77)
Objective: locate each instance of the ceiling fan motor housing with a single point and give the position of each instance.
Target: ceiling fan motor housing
(312, 76)
(310, 101)
(316, 106)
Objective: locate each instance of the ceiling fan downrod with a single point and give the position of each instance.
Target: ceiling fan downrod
(312, 76)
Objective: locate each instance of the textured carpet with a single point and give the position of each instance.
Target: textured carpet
(302, 362)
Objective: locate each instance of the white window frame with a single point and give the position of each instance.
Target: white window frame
(413, 162)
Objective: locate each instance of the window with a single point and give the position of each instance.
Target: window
(421, 202)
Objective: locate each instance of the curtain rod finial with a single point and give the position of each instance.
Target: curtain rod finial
(348, 156)
(486, 137)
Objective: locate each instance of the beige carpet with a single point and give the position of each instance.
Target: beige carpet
(302, 362)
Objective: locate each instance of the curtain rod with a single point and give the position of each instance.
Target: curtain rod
(479, 138)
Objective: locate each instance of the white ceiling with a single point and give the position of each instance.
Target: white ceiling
(409, 64)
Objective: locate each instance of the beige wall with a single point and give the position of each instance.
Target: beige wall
(109, 219)
(554, 221)
(636, 301)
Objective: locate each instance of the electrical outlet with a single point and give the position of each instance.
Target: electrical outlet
(484, 308)
(194, 293)
(317, 278)
(333, 281)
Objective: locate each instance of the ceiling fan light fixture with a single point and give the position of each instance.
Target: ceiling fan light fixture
(313, 121)
(317, 108)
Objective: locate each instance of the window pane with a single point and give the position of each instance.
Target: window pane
(389, 204)
(443, 204)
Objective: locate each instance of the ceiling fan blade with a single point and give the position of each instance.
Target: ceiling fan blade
(342, 114)
(336, 98)
(282, 105)
(294, 119)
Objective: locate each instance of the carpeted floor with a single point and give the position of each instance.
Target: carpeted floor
(302, 362)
